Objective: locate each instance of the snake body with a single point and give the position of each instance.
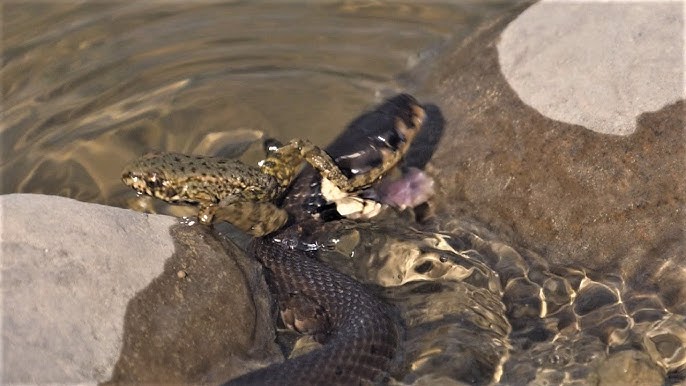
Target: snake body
(359, 335)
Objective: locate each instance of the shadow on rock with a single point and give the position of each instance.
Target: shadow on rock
(202, 320)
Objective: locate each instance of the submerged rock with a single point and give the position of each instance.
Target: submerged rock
(593, 214)
(577, 196)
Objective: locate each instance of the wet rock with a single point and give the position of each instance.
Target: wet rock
(665, 342)
(210, 325)
(565, 139)
(593, 297)
(92, 293)
(573, 194)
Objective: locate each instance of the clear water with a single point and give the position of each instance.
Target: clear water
(88, 86)
(476, 310)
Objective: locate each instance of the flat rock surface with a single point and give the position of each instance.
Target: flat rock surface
(92, 293)
(573, 63)
(576, 196)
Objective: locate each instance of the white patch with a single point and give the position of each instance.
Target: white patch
(596, 64)
(347, 205)
(358, 208)
(331, 191)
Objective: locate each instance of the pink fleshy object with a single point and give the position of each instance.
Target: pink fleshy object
(412, 189)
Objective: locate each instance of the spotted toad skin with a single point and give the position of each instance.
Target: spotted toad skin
(179, 178)
(223, 189)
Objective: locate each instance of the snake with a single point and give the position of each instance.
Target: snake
(360, 333)
(360, 336)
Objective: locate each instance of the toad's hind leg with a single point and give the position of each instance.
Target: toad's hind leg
(255, 218)
(301, 149)
(283, 161)
(400, 118)
(325, 165)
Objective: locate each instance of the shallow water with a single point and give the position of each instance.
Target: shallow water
(477, 310)
(87, 87)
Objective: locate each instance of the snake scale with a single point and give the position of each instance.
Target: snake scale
(361, 339)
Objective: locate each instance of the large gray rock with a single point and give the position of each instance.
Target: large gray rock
(92, 293)
(565, 138)
(574, 63)
(577, 196)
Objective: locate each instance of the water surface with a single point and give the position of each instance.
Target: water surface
(88, 86)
